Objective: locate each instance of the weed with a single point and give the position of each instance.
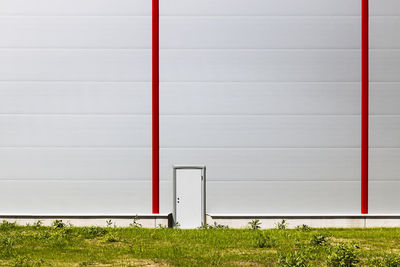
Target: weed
(389, 260)
(255, 224)
(37, 224)
(25, 261)
(109, 223)
(344, 255)
(214, 226)
(7, 241)
(161, 226)
(92, 232)
(6, 246)
(6, 225)
(58, 224)
(303, 228)
(264, 240)
(42, 235)
(86, 263)
(282, 225)
(319, 240)
(111, 238)
(135, 223)
(295, 258)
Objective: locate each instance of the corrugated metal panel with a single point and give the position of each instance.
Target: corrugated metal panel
(75, 163)
(260, 7)
(75, 98)
(385, 114)
(75, 107)
(260, 131)
(268, 164)
(267, 95)
(75, 65)
(227, 98)
(265, 32)
(75, 7)
(259, 65)
(75, 197)
(314, 197)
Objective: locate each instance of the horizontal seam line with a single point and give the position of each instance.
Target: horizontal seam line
(181, 82)
(52, 49)
(71, 48)
(191, 15)
(179, 148)
(77, 147)
(278, 181)
(161, 180)
(73, 180)
(256, 148)
(188, 115)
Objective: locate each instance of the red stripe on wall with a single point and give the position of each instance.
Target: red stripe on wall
(364, 104)
(155, 109)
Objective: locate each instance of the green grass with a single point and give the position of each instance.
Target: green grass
(63, 245)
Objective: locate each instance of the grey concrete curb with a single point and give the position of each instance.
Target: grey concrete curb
(233, 221)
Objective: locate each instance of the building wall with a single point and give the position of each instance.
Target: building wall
(265, 93)
(385, 108)
(75, 103)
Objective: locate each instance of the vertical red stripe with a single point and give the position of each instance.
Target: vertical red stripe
(155, 110)
(364, 104)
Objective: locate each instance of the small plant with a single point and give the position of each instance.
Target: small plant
(303, 228)
(37, 224)
(282, 225)
(135, 223)
(24, 261)
(344, 255)
(263, 240)
(58, 224)
(6, 247)
(295, 258)
(109, 223)
(161, 226)
(111, 238)
(6, 242)
(389, 260)
(92, 232)
(177, 225)
(6, 225)
(319, 240)
(255, 224)
(214, 226)
(86, 263)
(42, 235)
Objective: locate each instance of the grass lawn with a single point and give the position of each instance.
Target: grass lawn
(63, 245)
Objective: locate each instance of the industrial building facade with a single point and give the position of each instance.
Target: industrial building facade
(266, 93)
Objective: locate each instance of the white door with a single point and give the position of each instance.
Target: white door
(188, 198)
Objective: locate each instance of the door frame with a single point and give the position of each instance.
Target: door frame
(203, 191)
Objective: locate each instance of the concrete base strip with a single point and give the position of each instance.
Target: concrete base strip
(146, 221)
(316, 221)
(232, 221)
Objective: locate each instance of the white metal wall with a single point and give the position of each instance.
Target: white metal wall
(385, 107)
(267, 95)
(75, 104)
